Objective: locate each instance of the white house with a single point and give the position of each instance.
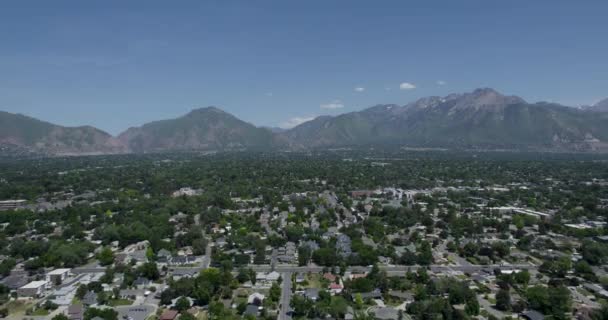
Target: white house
(256, 297)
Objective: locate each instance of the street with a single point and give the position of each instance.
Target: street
(285, 297)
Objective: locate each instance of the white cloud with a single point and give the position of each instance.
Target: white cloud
(336, 104)
(441, 83)
(406, 86)
(359, 89)
(295, 121)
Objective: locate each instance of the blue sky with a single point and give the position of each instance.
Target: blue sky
(116, 64)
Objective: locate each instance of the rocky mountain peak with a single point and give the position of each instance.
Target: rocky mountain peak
(486, 98)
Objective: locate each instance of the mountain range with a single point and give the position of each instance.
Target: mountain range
(482, 119)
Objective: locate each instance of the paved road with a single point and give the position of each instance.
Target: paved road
(391, 270)
(285, 296)
(207, 258)
(486, 305)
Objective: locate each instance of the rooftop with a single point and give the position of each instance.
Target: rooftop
(34, 285)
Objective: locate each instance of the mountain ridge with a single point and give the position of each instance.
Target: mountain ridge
(23, 134)
(481, 119)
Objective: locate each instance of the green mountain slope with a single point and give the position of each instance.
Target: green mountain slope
(202, 129)
(20, 134)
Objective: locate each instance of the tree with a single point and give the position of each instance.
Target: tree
(61, 316)
(81, 291)
(583, 269)
(594, 253)
(301, 306)
(304, 255)
(108, 276)
(102, 298)
(522, 277)
(425, 253)
(252, 276)
(503, 300)
(338, 307)
(325, 257)
(538, 297)
(166, 296)
(561, 302)
(182, 304)
(6, 266)
(150, 254)
(470, 249)
(555, 301)
(359, 301)
(186, 316)
(105, 256)
(502, 249)
(149, 270)
(472, 307)
(243, 275)
(275, 292)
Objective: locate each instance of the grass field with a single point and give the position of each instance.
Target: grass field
(120, 302)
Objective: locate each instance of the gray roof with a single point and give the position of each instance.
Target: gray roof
(371, 295)
(14, 282)
(251, 310)
(90, 298)
(386, 313)
(533, 315)
(312, 293)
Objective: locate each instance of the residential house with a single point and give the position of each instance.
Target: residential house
(376, 294)
(169, 315)
(90, 298)
(141, 282)
(256, 298)
(312, 294)
(343, 245)
(251, 310)
(15, 281)
(329, 277)
(300, 277)
(532, 315)
(384, 313)
(335, 288)
(75, 312)
(287, 254)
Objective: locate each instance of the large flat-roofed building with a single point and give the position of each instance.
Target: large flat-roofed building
(57, 276)
(11, 204)
(33, 289)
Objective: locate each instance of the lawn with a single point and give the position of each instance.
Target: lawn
(120, 302)
(17, 306)
(40, 312)
(314, 281)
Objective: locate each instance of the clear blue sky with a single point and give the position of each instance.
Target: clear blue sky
(116, 64)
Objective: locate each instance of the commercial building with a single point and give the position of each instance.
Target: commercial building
(33, 289)
(11, 204)
(57, 276)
